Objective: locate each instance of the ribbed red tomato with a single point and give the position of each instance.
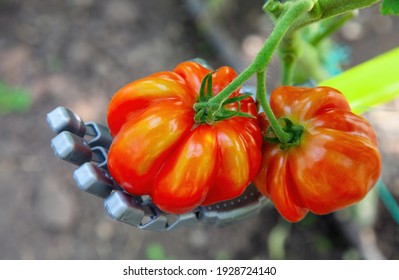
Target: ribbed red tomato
(334, 164)
(158, 149)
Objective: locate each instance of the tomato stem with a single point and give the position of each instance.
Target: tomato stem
(283, 137)
(263, 58)
(329, 26)
(324, 9)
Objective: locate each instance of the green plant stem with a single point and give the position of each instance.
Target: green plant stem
(297, 14)
(338, 7)
(289, 54)
(329, 8)
(263, 58)
(282, 136)
(284, 24)
(288, 66)
(294, 45)
(330, 27)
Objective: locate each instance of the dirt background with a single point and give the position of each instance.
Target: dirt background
(77, 53)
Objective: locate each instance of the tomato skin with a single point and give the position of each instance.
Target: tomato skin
(186, 176)
(335, 164)
(159, 150)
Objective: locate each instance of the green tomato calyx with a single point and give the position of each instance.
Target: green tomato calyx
(294, 130)
(208, 111)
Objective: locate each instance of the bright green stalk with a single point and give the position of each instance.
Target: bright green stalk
(262, 60)
(282, 136)
(264, 56)
(329, 8)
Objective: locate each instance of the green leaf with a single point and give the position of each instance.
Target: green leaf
(224, 114)
(236, 98)
(206, 88)
(390, 7)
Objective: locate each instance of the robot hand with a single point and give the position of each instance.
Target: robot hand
(86, 145)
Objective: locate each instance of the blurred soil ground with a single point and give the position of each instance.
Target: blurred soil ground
(77, 53)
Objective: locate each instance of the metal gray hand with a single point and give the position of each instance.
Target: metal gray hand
(86, 145)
